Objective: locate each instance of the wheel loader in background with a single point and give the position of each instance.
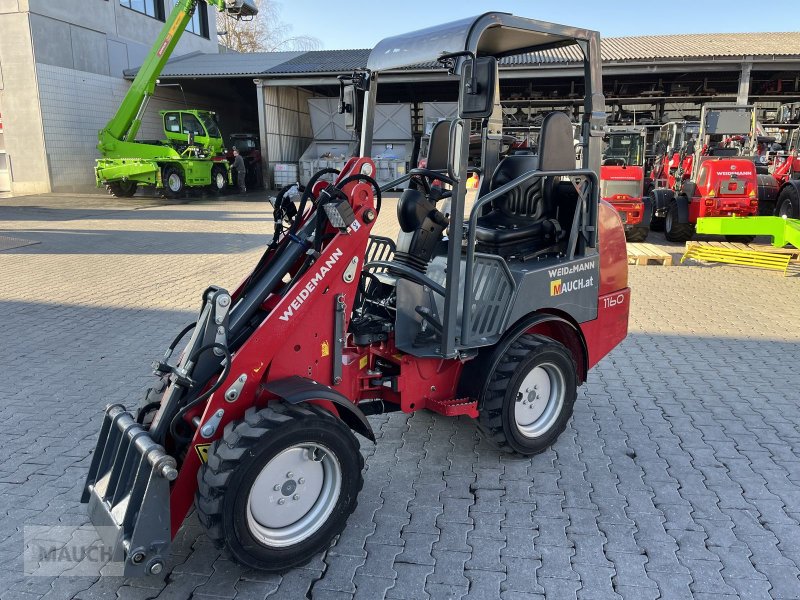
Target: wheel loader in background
(714, 175)
(622, 179)
(190, 155)
(497, 315)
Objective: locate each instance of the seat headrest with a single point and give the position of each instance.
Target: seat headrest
(556, 143)
(439, 146)
(512, 167)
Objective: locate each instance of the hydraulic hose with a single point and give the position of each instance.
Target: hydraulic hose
(307, 195)
(226, 369)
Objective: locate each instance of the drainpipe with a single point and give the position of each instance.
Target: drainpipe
(262, 132)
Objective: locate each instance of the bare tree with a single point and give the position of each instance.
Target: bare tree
(264, 33)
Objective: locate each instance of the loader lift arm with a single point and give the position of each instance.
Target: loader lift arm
(125, 124)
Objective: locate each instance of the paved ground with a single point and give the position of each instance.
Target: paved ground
(678, 477)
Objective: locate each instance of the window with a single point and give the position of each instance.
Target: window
(192, 125)
(172, 122)
(151, 8)
(199, 23)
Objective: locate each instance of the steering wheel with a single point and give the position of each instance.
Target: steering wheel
(428, 176)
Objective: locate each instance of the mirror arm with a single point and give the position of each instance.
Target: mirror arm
(449, 60)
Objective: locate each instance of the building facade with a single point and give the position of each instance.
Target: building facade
(61, 80)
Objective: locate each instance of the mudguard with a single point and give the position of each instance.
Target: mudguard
(647, 211)
(767, 194)
(683, 208)
(661, 199)
(296, 389)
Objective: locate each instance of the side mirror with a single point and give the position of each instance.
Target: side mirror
(478, 84)
(348, 105)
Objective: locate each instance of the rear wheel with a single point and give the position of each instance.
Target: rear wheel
(674, 230)
(788, 204)
(174, 183)
(219, 179)
(280, 485)
(530, 396)
(122, 189)
(637, 234)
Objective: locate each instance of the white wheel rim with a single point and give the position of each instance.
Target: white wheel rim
(220, 179)
(539, 400)
(294, 495)
(174, 182)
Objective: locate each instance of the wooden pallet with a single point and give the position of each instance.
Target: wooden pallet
(794, 252)
(647, 254)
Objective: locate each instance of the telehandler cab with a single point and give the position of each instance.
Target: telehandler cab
(500, 320)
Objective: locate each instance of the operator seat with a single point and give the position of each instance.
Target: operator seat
(523, 220)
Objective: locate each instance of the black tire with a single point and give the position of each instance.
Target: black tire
(219, 179)
(637, 234)
(788, 204)
(173, 181)
(740, 239)
(245, 452)
(122, 189)
(497, 410)
(674, 230)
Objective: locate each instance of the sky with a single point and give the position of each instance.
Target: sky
(361, 24)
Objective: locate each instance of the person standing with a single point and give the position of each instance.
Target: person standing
(241, 171)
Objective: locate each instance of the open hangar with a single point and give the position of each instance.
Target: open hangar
(648, 80)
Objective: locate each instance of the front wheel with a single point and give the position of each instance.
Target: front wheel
(122, 189)
(530, 396)
(788, 205)
(280, 485)
(674, 230)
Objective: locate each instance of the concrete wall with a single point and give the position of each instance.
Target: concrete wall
(287, 124)
(22, 120)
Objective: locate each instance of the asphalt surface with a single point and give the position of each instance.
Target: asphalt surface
(678, 476)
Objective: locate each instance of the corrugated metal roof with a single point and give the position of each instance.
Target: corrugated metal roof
(226, 64)
(323, 61)
(613, 50)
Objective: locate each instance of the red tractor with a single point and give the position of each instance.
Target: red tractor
(622, 179)
(671, 140)
(714, 175)
(249, 148)
(497, 315)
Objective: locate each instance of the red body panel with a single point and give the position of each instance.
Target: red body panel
(613, 305)
(627, 204)
(787, 167)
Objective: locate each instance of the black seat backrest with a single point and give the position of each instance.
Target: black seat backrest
(439, 146)
(556, 153)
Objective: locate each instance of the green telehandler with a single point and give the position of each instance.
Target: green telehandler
(191, 155)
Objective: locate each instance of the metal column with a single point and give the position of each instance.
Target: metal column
(743, 95)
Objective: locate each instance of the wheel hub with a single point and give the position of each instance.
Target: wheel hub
(294, 494)
(174, 182)
(539, 399)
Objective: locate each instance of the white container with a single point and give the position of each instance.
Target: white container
(285, 174)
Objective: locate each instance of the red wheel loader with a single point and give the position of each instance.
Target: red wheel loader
(714, 175)
(497, 314)
(622, 179)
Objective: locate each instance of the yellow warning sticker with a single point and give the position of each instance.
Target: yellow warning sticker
(325, 349)
(363, 362)
(202, 452)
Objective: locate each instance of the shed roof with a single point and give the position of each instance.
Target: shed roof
(647, 48)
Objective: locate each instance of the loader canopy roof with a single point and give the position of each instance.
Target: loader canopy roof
(496, 34)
